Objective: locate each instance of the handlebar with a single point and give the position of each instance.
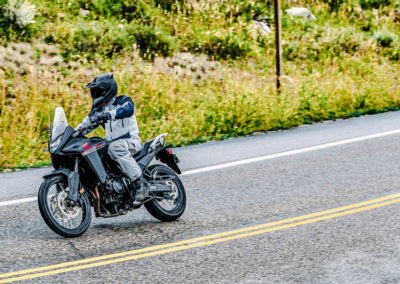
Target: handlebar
(97, 120)
(79, 131)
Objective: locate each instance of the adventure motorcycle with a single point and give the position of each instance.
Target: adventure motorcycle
(85, 176)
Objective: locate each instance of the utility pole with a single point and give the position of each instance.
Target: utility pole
(278, 43)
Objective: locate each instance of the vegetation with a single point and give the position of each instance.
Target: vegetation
(198, 70)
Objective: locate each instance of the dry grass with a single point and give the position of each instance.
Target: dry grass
(344, 64)
(240, 100)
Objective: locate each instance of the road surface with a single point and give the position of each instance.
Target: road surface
(315, 204)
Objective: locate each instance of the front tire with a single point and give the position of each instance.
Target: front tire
(65, 220)
(156, 207)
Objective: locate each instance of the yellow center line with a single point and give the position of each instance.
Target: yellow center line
(200, 241)
(227, 233)
(201, 244)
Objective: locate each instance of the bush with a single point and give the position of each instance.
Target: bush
(168, 5)
(151, 41)
(251, 9)
(106, 39)
(220, 45)
(334, 5)
(104, 8)
(395, 54)
(374, 4)
(16, 16)
(384, 38)
(113, 8)
(109, 38)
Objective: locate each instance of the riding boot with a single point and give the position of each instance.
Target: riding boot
(141, 188)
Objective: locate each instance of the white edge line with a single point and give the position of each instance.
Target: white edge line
(17, 201)
(252, 160)
(291, 152)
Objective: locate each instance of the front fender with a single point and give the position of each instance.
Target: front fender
(64, 172)
(73, 181)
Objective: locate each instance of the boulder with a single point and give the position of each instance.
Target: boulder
(84, 12)
(262, 27)
(301, 12)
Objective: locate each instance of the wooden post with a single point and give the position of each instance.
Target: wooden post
(278, 43)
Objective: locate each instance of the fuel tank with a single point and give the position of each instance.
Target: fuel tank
(85, 146)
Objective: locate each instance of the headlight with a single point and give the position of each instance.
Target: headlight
(54, 144)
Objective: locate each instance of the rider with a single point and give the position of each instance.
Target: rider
(117, 115)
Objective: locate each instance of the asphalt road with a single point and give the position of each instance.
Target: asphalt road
(356, 244)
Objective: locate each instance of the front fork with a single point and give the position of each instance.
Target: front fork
(73, 183)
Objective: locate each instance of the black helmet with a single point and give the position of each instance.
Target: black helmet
(103, 88)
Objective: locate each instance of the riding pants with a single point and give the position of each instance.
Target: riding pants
(121, 151)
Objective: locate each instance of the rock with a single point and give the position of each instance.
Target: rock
(184, 65)
(50, 60)
(257, 133)
(262, 27)
(47, 49)
(301, 12)
(84, 12)
(74, 65)
(22, 48)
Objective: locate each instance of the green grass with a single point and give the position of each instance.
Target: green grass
(344, 64)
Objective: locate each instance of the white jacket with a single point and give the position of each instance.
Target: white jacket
(123, 122)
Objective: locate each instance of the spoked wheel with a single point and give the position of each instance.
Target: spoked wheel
(63, 218)
(172, 206)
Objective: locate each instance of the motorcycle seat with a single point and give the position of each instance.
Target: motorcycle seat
(143, 151)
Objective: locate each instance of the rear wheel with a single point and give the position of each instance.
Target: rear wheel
(63, 218)
(171, 208)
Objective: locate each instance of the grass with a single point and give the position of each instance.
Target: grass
(344, 64)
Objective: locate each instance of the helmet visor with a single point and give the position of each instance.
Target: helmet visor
(96, 92)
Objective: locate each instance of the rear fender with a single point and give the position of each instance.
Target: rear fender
(167, 157)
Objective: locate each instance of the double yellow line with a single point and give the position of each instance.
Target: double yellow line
(198, 242)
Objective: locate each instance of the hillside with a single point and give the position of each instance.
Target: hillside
(198, 70)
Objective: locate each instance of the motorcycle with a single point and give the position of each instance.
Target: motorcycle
(85, 176)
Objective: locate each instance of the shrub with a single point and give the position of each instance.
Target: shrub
(374, 4)
(16, 15)
(384, 37)
(106, 39)
(251, 9)
(113, 8)
(168, 5)
(109, 38)
(334, 5)
(104, 8)
(395, 54)
(290, 50)
(20, 13)
(220, 45)
(151, 41)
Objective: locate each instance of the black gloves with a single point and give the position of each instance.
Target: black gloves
(101, 118)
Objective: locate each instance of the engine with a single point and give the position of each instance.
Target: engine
(115, 195)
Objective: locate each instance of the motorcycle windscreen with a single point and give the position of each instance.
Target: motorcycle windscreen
(59, 125)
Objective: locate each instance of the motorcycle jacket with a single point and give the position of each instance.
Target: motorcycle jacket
(123, 122)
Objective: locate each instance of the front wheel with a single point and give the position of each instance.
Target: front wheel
(171, 208)
(63, 218)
